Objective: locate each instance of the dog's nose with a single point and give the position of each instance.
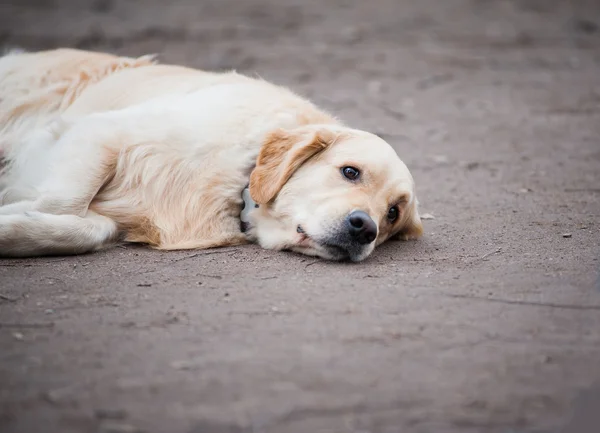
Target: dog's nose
(361, 227)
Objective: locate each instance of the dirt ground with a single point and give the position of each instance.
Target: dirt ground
(490, 323)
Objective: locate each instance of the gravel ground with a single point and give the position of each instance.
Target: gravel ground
(490, 323)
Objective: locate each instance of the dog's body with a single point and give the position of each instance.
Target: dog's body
(99, 147)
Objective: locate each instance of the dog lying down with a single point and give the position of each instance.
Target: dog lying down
(98, 149)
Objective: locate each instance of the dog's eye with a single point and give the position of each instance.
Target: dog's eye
(350, 173)
(392, 214)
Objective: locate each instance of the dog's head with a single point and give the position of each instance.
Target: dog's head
(332, 192)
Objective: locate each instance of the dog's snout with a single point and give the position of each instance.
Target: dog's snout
(361, 227)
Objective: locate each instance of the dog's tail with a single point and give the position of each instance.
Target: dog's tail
(36, 87)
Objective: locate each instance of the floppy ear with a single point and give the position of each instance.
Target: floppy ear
(280, 156)
(412, 227)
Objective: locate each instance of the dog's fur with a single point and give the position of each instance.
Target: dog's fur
(98, 148)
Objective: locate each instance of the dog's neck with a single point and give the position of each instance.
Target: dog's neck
(247, 206)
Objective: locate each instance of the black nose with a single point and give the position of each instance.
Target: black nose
(361, 227)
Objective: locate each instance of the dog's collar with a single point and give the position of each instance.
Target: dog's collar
(247, 206)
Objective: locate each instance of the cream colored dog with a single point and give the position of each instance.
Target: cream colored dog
(99, 148)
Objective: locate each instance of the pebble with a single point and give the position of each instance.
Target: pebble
(547, 359)
(567, 235)
(184, 365)
(114, 427)
(56, 396)
(427, 216)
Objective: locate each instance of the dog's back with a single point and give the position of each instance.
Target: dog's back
(35, 87)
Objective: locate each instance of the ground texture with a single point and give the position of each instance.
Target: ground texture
(490, 323)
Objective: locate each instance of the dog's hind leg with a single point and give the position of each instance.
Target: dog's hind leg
(75, 169)
(35, 234)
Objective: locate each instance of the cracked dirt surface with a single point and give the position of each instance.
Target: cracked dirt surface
(490, 323)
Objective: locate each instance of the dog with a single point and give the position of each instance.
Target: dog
(99, 149)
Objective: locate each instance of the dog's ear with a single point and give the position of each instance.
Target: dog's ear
(282, 153)
(412, 227)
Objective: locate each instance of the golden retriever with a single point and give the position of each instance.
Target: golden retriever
(98, 148)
